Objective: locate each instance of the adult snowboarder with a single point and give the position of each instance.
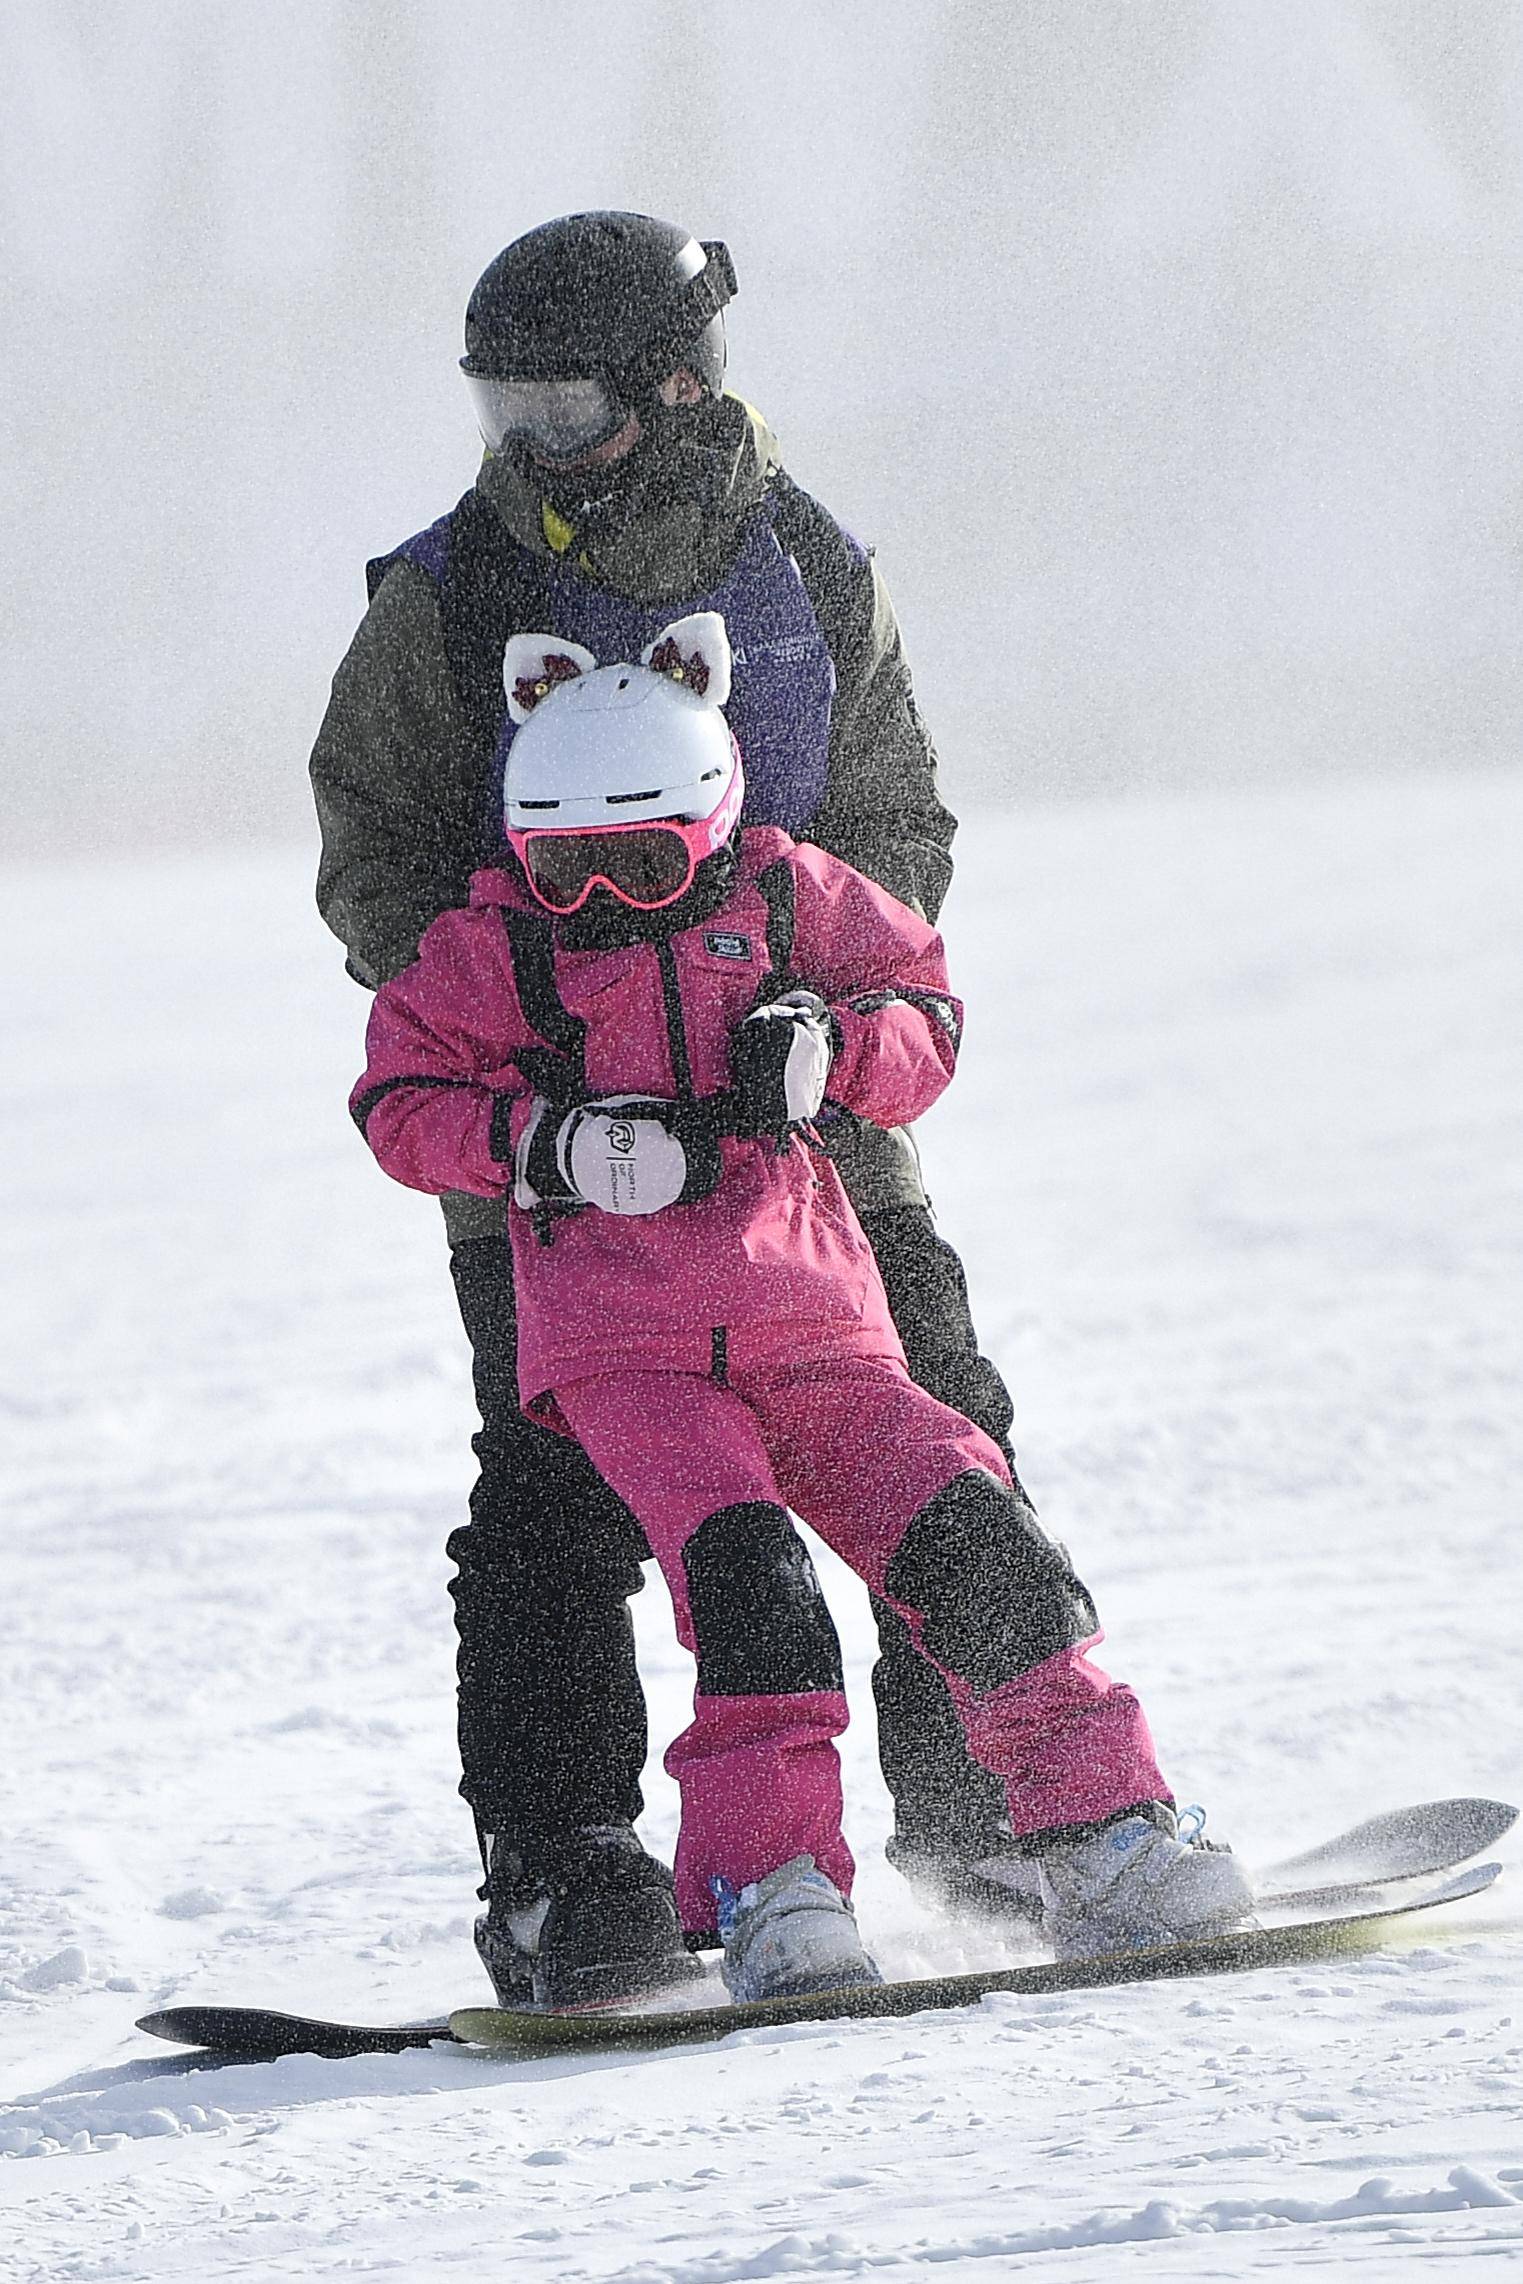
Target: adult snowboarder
(621, 486)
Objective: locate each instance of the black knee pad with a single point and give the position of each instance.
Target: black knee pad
(760, 1621)
(995, 1595)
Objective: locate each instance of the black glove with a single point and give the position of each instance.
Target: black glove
(780, 1058)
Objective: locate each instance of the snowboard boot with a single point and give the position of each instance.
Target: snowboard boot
(1132, 1881)
(990, 1878)
(790, 1935)
(597, 1924)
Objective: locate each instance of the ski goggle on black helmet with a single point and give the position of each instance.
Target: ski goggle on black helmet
(577, 321)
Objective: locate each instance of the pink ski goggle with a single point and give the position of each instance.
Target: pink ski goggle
(647, 863)
(643, 865)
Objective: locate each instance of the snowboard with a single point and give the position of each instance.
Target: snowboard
(597, 2029)
(1401, 1844)
(259, 2034)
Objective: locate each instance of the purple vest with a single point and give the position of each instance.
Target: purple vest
(783, 682)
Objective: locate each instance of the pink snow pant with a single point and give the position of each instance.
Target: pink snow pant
(852, 1444)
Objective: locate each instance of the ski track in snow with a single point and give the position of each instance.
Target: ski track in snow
(1232, 1162)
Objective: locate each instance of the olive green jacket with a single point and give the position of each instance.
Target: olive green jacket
(397, 767)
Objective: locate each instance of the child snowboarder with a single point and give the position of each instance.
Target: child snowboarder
(638, 1033)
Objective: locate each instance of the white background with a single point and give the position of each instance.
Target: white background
(1169, 350)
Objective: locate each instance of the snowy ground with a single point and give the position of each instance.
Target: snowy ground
(1231, 1159)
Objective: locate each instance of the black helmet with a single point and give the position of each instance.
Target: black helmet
(577, 320)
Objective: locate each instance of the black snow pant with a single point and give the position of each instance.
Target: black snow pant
(552, 1716)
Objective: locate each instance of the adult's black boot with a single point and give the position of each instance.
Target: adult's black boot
(597, 1925)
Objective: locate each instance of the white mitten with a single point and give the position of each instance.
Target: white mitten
(620, 1161)
(623, 1153)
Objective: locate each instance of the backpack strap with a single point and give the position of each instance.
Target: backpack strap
(488, 587)
(775, 886)
(557, 1070)
(495, 588)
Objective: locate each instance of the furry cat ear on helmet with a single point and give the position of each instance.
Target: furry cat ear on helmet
(694, 651)
(535, 664)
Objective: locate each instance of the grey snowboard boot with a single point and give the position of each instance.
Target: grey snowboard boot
(597, 1924)
(1131, 1882)
(790, 1935)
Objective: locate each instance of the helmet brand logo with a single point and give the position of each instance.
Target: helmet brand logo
(621, 1137)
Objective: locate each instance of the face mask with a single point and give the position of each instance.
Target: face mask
(671, 459)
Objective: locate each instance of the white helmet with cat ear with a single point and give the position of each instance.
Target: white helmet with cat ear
(620, 745)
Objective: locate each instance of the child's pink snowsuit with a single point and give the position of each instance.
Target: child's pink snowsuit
(725, 1360)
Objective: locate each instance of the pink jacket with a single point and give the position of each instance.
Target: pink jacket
(773, 1263)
